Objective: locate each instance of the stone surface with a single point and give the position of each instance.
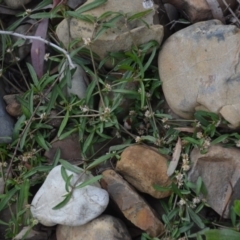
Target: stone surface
(85, 204)
(75, 3)
(199, 10)
(79, 82)
(6, 122)
(15, 4)
(13, 106)
(219, 169)
(144, 167)
(205, 73)
(24, 47)
(116, 38)
(133, 207)
(104, 227)
(69, 146)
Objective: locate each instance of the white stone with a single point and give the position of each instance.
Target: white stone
(85, 204)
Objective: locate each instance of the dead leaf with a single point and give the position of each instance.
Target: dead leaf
(38, 48)
(185, 129)
(175, 158)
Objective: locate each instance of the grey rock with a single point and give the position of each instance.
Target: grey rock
(219, 169)
(85, 204)
(104, 227)
(75, 3)
(15, 4)
(200, 69)
(6, 121)
(79, 82)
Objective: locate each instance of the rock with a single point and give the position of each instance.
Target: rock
(144, 167)
(6, 122)
(15, 4)
(69, 146)
(133, 207)
(24, 47)
(79, 82)
(54, 122)
(219, 169)
(104, 227)
(205, 72)
(85, 204)
(199, 10)
(116, 38)
(73, 4)
(13, 106)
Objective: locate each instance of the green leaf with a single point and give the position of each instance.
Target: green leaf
(64, 202)
(236, 207)
(192, 140)
(63, 124)
(119, 147)
(56, 157)
(68, 133)
(195, 218)
(88, 142)
(24, 136)
(199, 185)
(221, 234)
(89, 6)
(85, 18)
(41, 141)
(7, 197)
(100, 160)
(49, 15)
(33, 75)
(68, 181)
(64, 174)
(89, 182)
(139, 15)
(70, 167)
(220, 139)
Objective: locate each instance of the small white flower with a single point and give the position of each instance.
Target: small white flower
(85, 108)
(196, 200)
(107, 110)
(179, 177)
(164, 120)
(207, 143)
(28, 11)
(198, 124)
(132, 113)
(108, 87)
(138, 139)
(166, 126)
(35, 221)
(185, 167)
(118, 135)
(148, 95)
(43, 116)
(148, 114)
(87, 41)
(182, 202)
(17, 59)
(9, 50)
(199, 135)
(141, 131)
(46, 56)
(139, 90)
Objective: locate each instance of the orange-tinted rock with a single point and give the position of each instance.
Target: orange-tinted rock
(144, 167)
(133, 206)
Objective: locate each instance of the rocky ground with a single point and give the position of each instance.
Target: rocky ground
(119, 119)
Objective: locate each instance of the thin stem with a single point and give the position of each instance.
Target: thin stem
(42, 40)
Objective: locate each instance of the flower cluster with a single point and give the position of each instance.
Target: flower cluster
(105, 115)
(185, 164)
(84, 108)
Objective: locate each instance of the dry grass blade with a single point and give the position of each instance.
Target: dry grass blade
(175, 159)
(185, 129)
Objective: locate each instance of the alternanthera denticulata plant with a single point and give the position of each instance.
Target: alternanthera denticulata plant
(22, 164)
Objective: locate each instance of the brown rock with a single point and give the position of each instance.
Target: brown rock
(13, 106)
(131, 204)
(70, 149)
(104, 227)
(199, 10)
(219, 169)
(144, 167)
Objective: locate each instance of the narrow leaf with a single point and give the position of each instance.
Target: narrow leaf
(175, 158)
(90, 181)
